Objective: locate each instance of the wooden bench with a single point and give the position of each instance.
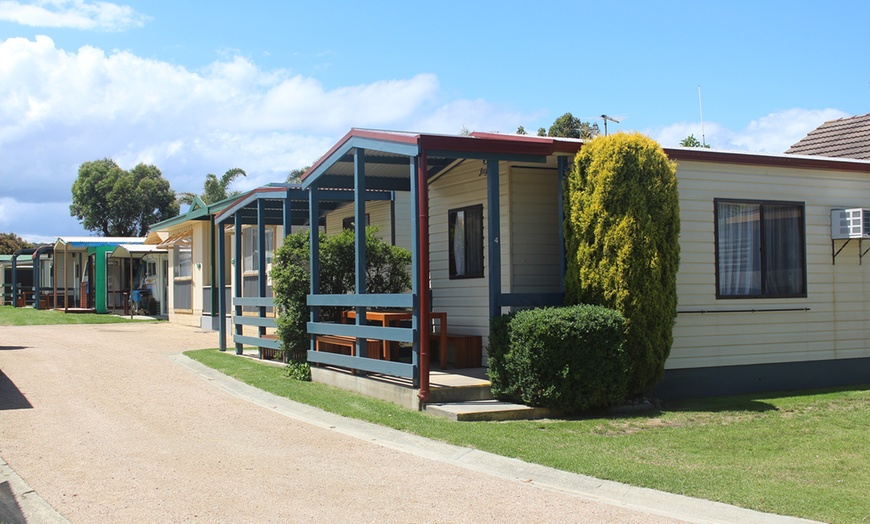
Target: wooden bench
(374, 348)
(467, 349)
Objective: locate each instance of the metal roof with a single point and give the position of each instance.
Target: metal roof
(273, 197)
(198, 211)
(387, 155)
(85, 242)
(766, 159)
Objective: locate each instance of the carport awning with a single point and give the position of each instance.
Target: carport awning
(136, 250)
(183, 239)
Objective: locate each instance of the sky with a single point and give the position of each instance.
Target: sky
(269, 86)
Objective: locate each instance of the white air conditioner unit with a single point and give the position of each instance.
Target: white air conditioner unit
(850, 223)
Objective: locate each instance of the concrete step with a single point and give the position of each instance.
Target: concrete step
(487, 410)
(460, 393)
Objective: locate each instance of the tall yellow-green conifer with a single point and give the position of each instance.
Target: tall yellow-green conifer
(622, 229)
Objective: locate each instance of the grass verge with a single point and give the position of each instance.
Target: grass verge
(28, 316)
(802, 454)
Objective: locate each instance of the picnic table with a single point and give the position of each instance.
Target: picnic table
(391, 317)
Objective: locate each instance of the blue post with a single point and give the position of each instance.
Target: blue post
(359, 207)
(494, 233)
(314, 245)
(262, 274)
(288, 214)
(237, 272)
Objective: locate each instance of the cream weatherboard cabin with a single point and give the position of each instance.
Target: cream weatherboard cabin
(769, 298)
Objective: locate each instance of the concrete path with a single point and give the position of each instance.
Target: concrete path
(109, 424)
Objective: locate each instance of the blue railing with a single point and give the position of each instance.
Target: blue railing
(262, 322)
(362, 332)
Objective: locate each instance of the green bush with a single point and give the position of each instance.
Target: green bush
(387, 271)
(622, 226)
(569, 358)
(499, 347)
(298, 370)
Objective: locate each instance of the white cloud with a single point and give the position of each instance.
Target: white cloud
(773, 133)
(75, 14)
(59, 108)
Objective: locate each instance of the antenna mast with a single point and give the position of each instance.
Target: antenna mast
(701, 105)
(606, 118)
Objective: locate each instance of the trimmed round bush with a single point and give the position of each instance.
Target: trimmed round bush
(569, 358)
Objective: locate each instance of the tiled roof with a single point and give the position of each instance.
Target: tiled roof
(846, 137)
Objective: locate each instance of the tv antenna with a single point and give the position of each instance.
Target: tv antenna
(606, 118)
(701, 107)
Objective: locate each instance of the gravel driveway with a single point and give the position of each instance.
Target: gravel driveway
(101, 423)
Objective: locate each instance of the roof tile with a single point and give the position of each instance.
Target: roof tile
(845, 137)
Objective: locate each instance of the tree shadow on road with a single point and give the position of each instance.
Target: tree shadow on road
(10, 396)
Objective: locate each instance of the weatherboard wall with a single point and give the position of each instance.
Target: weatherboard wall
(529, 223)
(834, 325)
(380, 215)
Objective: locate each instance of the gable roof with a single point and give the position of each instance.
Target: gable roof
(844, 137)
(387, 152)
(198, 210)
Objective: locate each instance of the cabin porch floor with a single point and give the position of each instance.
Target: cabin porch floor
(461, 394)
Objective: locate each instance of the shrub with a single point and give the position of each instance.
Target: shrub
(569, 358)
(298, 370)
(387, 271)
(499, 347)
(622, 229)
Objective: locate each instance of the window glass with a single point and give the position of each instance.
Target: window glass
(183, 259)
(252, 248)
(760, 249)
(465, 232)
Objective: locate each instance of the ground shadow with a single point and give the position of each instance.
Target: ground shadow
(2, 348)
(10, 396)
(10, 511)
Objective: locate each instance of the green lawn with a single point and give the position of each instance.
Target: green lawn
(801, 454)
(27, 316)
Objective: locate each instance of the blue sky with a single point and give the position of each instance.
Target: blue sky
(201, 87)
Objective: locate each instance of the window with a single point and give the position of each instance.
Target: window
(760, 249)
(465, 230)
(183, 259)
(252, 248)
(182, 255)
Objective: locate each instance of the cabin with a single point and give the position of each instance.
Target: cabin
(190, 241)
(772, 289)
(771, 292)
(84, 275)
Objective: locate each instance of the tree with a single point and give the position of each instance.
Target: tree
(622, 229)
(542, 131)
(569, 126)
(387, 271)
(10, 243)
(295, 175)
(115, 202)
(214, 189)
(691, 141)
(521, 130)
